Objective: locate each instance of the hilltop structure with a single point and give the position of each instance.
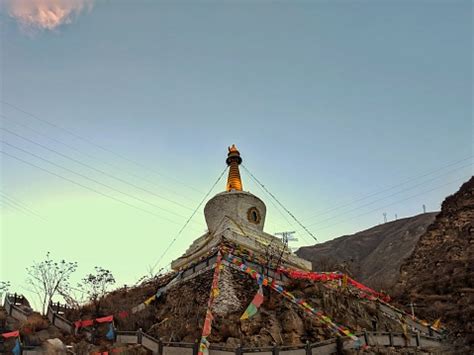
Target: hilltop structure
(237, 290)
(238, 217)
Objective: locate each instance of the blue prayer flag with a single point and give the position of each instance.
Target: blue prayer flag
(17, 348)
(111, 333)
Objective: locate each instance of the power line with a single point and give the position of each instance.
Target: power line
(287, 211)
(15, 206)
(87, 140)
(388, 189)
(20, 205)
(393, 203)
(95, 169)
(87, 187)
(391, 195)
(93, 180)
(187, 222)
(93, 157)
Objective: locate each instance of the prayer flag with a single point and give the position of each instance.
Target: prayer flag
(111, 333)
(17, 348)
(14, 334)
(87, 323)
(148, 301)
(206, 330)
(105, 319)
(253, 306)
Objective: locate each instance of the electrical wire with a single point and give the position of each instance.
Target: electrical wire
(394, 203)
(91, 179)
(87, 140)
(391, 195)
(364, 197)
(93, 168)
(16, 207)
(8, 198)
(88, 188)
(90, 156)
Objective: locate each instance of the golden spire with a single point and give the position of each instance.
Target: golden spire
(233, 161)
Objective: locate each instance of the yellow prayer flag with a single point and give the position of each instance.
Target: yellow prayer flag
(437, 323)
(148, 301)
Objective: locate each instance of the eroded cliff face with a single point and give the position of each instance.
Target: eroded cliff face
(439, 275)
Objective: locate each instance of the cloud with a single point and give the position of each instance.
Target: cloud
(33, 15)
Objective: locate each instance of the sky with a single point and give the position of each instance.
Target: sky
(116, 117)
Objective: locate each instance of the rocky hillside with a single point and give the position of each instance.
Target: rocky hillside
(439, 275)
(372, 256)
(179, 314)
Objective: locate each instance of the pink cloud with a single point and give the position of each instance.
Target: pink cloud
(46, 14)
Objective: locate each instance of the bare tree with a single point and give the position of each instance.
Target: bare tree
(49, 278)
(74, 297)
(96, 285)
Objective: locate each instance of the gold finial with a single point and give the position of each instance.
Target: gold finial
(233, 161)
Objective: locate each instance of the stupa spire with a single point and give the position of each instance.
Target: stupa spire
(234, 182)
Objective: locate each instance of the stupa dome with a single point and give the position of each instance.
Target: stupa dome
(242, 207)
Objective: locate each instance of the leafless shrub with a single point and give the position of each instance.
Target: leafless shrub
(49, 277)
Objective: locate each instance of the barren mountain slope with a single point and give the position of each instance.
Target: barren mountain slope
(372, 256)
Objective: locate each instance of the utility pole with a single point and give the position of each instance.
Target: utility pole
(385, 217)
(287, 237)
(424, 208)
(396, 216)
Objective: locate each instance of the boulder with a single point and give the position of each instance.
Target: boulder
(54, 346)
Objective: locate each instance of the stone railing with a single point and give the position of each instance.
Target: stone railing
(56, 317)
(412, 323)
(331, 346)
(14, 305)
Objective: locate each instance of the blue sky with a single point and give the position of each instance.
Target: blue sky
(329, 102)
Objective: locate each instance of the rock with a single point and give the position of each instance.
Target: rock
(291, 322)
(251, 326)
(54, 346)
(49, 333)
(232, 342)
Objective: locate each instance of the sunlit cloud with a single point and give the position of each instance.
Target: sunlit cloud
(34, 15)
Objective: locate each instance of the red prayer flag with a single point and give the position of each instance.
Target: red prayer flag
(14, 334)
(207, 324)
(87, 323)
(105, 319)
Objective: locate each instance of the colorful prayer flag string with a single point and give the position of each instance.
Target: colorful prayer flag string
(207, 328)
(300, 302)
